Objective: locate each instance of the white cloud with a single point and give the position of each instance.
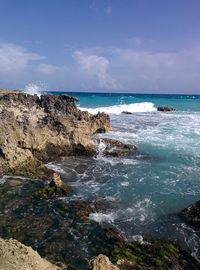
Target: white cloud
(96, 66)
(47, 69)
(15, 58)
(108, 10)
(145, 59)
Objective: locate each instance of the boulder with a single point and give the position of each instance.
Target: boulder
(191, 214)
(15, 256)
(115, 148)
(165, 109)
(102, 262)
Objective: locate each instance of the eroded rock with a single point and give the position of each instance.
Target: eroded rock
(117, 148)
(39, 129)
(15, 256)
(102, 262)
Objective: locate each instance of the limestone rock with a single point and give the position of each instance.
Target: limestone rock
(102, 262)
(39, 129)
(56, 180)
(15, 256)
(117, 148)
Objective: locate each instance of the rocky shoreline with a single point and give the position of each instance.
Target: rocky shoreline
(36, 130)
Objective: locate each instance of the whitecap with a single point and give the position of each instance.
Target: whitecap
(102, 217)
(117, 109)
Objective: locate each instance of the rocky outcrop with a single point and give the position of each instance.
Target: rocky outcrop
(54, 188)
(38, 129)
(102, 262)
(125, 112)
(165, 109)
(191, 214)
(115, 148)
(15, 256)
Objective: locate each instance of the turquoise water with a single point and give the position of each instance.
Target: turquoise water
(146, 191)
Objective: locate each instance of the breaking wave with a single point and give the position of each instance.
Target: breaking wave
(117, 109)
(35, 88)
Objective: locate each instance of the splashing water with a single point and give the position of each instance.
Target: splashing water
(35, 88)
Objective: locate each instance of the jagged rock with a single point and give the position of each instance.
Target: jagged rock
(39, 129)
(116, 148)
(56, 187)
(16, 256)
(56, 181)
(102, 262)
(192, 214)
(125, 112)
(165, 109)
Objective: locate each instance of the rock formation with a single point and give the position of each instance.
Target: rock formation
(16, 256)
(38, 129)
(102, 262)
(165, 109)
(115, 148)
(192, 214)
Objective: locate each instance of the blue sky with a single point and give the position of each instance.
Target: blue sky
(103, 45)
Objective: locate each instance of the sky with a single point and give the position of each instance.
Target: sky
(139, 46)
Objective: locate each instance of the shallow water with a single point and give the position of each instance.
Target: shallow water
(151, 187)
(144, 192)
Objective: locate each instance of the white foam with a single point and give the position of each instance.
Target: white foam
(55, 167)
(102, 217)
(35, 88)
(117, 109)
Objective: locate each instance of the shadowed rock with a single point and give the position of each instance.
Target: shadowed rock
(165, 109)
(125, 112)
(191, 214)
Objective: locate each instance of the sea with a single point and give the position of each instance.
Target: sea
(145, 192)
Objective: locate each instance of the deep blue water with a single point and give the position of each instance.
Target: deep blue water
(161, 179)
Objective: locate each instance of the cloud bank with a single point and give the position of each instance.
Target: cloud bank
(130, 69)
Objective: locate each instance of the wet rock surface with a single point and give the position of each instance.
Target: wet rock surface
(61, 231)
(191, 214)
(115, 148)
(165, 109)
(125, 112)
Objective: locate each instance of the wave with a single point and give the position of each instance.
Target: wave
(117, 109)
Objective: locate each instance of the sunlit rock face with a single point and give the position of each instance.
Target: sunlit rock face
(37, 129)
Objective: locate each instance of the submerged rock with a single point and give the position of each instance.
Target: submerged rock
(16, 256)
(192, 214)
(102, 262)
(165, 109)
(117, 148)
(39, 129)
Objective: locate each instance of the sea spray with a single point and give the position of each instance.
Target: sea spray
(35, 88)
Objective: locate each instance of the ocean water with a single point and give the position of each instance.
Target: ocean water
(145, 192)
